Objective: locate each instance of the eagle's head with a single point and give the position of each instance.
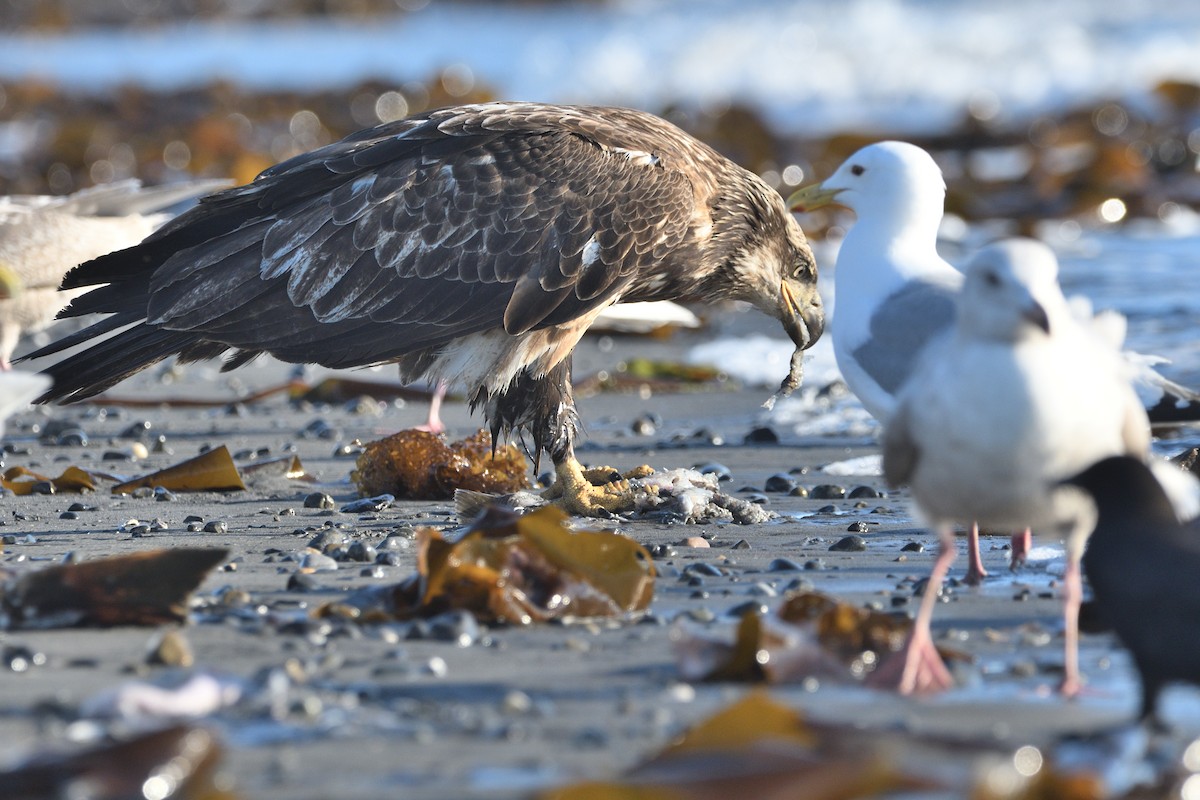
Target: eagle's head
(768, 263)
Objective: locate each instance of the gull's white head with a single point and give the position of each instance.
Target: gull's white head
(1011, 292)
(884, 182)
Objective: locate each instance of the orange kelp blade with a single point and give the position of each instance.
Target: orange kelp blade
(22, 481)
(147, 588)
(513, 568)
(755, 748)
(213, 471)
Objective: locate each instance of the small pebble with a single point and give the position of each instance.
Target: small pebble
(170, 649)
(827, 491)
(858, 527)
(163, 495)
(750, 606)
(19, 658)
(318, 500)
(784, 565)
(781, 483)
(694, 541)
(459, 627)
(646, 425)
(300, 582)
(360, 551)
(317, 562)
(864, 491)
(72, 437)
(713, 468)
(762, 435)
(327, 539)
(138, 430)
(367, 504)
(814, 564)
(913, 547)
(740, 544)
(849, 544)
(761, 589)
(216, 526)
(799, 491)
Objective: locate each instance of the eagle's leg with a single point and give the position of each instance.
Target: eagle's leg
(545, 407)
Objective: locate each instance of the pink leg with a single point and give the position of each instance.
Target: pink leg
(975, 571)
(918, 667)
(433, 423)
(1072, 597)
(1021, 545)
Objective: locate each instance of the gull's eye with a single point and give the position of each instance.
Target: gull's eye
(858, 169)
(991, 279)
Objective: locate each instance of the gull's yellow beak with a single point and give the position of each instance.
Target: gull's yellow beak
(811, 197)
(10, 283)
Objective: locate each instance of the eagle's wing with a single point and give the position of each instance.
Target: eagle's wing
(405, 237)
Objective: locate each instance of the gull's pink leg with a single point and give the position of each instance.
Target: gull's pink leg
(433, 423)
(975, 571)
(1072, 597)
(918, 667)
(1021, 545)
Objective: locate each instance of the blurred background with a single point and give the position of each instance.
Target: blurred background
(1081, 109)
(1077, 121)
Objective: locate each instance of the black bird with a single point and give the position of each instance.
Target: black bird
(1144, 569)
(473, 244)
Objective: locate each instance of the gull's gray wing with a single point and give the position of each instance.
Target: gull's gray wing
(900, 329)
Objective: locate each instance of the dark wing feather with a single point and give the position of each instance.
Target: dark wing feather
(410, 235)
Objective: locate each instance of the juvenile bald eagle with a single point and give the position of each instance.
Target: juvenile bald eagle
(473, 244)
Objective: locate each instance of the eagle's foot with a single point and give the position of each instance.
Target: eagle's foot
(594, 492)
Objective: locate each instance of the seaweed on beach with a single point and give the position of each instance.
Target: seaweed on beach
(811, 635)
(212, 471)
(518, 569)
(416, 464)
(148, 588)
(21, 481)
(756, 747)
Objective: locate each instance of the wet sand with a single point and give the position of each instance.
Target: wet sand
(366, 712)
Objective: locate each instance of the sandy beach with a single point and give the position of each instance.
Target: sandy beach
(329, 709)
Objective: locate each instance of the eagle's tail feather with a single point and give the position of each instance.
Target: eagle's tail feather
(111, 361)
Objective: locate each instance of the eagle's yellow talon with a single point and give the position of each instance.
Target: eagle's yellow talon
(595, 492)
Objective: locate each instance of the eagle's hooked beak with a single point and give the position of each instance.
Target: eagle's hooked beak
(10, 283)
(803, 323)
(812, 197)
